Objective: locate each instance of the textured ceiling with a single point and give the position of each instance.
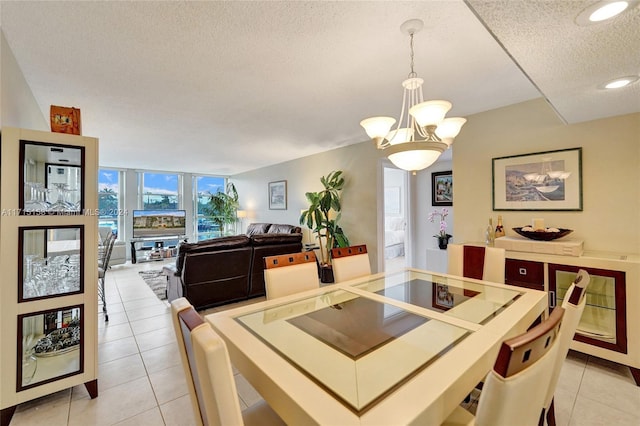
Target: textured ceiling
(226, 87)
(568, 62)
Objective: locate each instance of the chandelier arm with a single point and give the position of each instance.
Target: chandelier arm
(393, 132)
(421, 131)
(406, 104)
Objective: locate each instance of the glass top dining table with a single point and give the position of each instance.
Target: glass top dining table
(345, 352)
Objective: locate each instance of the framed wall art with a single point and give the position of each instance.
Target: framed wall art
(278, 195)
(65, 120)
(550, 180)
(442, 188)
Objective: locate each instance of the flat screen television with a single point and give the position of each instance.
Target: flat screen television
(159, 223)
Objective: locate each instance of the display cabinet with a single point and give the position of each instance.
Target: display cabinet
(48, 258)
(603, 320)
(610, 325)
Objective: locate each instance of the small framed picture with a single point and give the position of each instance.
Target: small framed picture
(65, 120)
(442, 188)
(278, 195)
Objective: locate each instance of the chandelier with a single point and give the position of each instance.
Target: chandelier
(423, 132)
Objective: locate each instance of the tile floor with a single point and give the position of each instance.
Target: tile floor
(141, 380)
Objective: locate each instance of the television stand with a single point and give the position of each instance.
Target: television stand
(159, 251)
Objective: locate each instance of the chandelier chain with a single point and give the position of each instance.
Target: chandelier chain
(412, 74)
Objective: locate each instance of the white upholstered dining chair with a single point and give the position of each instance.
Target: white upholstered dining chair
(287, 274)
(207, 368)
(479, 262)
(573, 304)
(515, 389)
(350, 262)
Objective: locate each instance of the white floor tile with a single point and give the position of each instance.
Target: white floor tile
(588, 412)
(169, 384)
(178, 412)
(116, 349)
(141, 379)
(610, 384)
(148, 312)
(161, 358)
(114, 319)
(151, 417)
(113, 405)
(51, 409)
(111, 331)
(155, 339)
(119, 371)
(150, 324)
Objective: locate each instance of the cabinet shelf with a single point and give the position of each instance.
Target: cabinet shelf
(599, 301)
(598, 323)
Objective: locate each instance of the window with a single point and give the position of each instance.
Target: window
(109, 212)
(204, 186)
(159, 191)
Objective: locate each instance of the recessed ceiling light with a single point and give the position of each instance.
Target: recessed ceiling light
(601, 11)
(620, 82)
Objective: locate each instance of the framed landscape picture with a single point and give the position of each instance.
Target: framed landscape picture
(278, 195)
(550, 180)
(442, 188)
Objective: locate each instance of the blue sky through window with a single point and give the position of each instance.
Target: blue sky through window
(209, 184)
(160, 183)
(108, 179)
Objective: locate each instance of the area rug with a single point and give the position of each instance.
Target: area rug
(156, 281)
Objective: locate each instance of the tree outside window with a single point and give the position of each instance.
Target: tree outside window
(109, 198)
(204, 187)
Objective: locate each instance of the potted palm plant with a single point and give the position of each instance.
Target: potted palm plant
(222, 208)
(322, 218)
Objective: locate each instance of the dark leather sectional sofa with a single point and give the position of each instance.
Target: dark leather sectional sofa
(229, 269)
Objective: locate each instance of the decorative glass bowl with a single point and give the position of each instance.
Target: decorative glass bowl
(543, 235)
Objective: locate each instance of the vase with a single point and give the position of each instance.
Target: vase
(443, 241)
(326, 274)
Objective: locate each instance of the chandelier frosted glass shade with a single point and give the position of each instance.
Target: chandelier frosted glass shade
(449, 129)
(415, 155)
(422, 132)
(377, 127)
(430, 113)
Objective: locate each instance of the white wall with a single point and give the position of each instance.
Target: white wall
(425, 230)
(18, 107)
(361, 209)
(611, 181)
(610, 220)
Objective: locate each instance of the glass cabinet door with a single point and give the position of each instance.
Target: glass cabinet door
(50, 346)
(51, 261)
(51, 178)
(603, 320)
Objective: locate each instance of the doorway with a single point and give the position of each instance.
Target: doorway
(396, 241)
